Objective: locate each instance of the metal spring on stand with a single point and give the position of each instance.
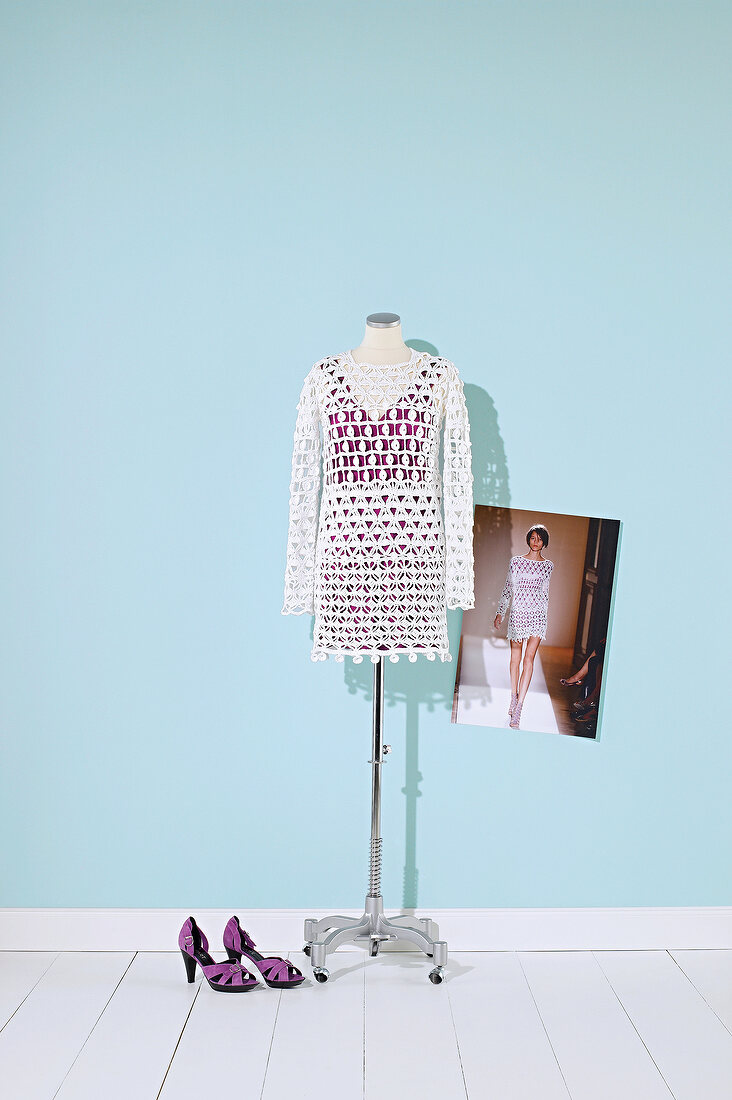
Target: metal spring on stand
(375, 879)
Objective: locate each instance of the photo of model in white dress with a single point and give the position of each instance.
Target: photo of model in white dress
(535, 621)
(527, 591)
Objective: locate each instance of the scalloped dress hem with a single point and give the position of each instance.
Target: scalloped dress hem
(357, 656)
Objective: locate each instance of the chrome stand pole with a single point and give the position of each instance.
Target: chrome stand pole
(377, 759)
(373, 928)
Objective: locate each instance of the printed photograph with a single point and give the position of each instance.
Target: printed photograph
(534, 650)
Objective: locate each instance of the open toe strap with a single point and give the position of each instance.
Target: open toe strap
(276, 969)
(228, 974)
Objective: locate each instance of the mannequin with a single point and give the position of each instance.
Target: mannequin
(389, 596)
(382, 344)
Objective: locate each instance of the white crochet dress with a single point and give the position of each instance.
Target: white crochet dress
(527, 589)
(368, 552)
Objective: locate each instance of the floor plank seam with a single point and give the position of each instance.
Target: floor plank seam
(91, 1032)
(363, 1037)
(632, 1024)
(175, 1049)
(541, 1018)
(18, 1007)
(697, 990)
(457, 1040)
(271, 1044)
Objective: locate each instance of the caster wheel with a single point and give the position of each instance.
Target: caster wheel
(437, 975)
(321, 974)
(374, 948)
(306, 948)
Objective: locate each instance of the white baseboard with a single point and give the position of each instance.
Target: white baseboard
(643, 928)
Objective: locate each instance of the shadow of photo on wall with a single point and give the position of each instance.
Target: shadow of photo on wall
(534, 649)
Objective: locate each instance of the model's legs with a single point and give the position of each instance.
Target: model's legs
(527, 671)
(515, 666)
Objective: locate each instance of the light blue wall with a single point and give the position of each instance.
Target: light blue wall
(198, 202)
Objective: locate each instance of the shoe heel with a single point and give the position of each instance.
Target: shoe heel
(234, 956)
(190, 966)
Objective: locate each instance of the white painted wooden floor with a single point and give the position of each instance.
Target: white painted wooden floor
(528, 1025)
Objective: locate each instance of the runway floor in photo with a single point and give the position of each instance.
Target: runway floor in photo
(484, 688)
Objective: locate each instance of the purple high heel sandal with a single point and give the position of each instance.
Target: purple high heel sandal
(278, 973)
(514, 724)
(223, 977)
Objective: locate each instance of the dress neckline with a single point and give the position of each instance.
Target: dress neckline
(406, 363)
(380, 387)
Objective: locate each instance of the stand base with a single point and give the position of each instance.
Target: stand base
(371, 930)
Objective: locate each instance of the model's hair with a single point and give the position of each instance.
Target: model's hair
(541, 532)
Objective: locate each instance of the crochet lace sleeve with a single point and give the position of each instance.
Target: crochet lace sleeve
(457, 483)
(505, 595)
(545, 586)
(304, 506)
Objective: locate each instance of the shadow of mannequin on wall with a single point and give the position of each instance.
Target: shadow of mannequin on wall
(431, 684)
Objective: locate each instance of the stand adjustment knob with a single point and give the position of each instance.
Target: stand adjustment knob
(386, 748)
